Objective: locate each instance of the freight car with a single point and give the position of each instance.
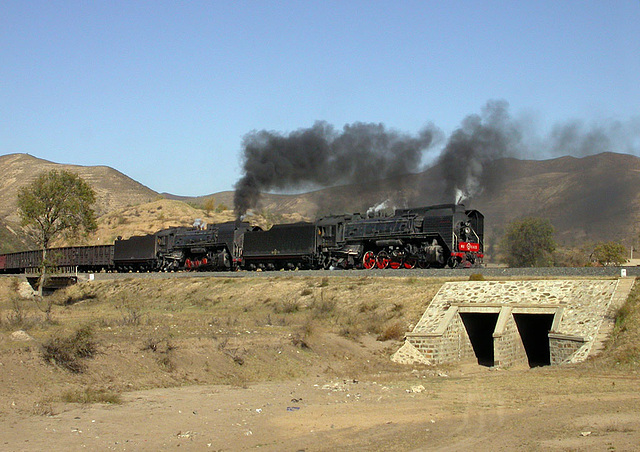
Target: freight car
(71, 258)
(434, 236)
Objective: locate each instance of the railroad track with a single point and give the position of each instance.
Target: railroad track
(490, 272)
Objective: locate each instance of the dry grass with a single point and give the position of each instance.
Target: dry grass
(237, 331)
(89, 395)
(178, 331)
(623, 348)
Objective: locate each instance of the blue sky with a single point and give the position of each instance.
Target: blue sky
(165, 91)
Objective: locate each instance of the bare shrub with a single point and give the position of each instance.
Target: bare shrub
(286, 307)
(162, 348)
(392, 331)
(300, 337)
(159, 344)
(67, 352)
(236, 355)
(131, 313)
(350, 328)
(324, 306)
(17, 316)
(131, 316)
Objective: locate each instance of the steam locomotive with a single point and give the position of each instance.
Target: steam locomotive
(433, 236)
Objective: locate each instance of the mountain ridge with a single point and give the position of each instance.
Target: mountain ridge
(587, 199)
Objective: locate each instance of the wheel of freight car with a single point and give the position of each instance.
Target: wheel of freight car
(410, 262)
(369, 260)
(382, 259)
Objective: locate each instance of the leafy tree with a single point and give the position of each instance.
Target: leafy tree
(610, 253)
(528, 242)
(56, 203)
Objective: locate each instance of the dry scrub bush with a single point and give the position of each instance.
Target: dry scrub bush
(392, 331)
(16, 317)
(163, 349)
(131, 313)
(67, 352)
(300, 337)
(286, 307)
(324, 307)
(73, 294)
(89, 395)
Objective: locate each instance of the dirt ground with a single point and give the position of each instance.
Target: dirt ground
(266, 376)
(469, 408)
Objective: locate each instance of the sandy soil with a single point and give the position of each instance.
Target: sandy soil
(468, 407)
(289, 364)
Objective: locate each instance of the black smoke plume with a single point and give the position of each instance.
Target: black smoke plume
(321, 156)
(579, 139)
(495, 134)
(481, 139)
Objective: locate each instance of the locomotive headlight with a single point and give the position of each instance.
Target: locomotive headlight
(467, 230)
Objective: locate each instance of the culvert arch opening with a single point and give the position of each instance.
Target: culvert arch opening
(480, 327)
(534, 332)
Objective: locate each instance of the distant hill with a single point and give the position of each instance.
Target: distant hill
(587, 199)
(114, 191)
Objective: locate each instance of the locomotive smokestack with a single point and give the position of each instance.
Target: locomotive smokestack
(320, 156)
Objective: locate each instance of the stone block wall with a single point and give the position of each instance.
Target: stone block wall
(562, 348)
(508, 349)
(451, 345)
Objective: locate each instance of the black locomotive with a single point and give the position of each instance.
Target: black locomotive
(434, 236)
(201, 247)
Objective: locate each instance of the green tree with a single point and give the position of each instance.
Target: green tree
(528, 243)
(56, 203)
(610, 253)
